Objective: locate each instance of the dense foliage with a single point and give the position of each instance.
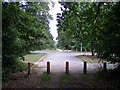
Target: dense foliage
(95, 24)
(25, 27)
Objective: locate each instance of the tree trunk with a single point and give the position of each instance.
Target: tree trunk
(92, 50)
(98, 54)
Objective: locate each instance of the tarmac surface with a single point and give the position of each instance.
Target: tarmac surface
(59, 58)
(58, 61)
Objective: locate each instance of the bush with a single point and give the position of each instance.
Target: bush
(18, 67)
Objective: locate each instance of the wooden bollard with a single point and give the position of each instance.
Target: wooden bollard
(29, 66)
(67, 67)
(23, 58)
(85, 67)
(48, 67)
(104, 66)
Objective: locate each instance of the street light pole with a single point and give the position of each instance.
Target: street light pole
(81, 47)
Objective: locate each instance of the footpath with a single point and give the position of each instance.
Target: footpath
(57, 77)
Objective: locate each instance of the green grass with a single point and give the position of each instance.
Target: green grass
(81, 56)
(95, 61)
(67, 78)
(34, 57)
(89, 61)
(46, 77)
(34, 72)
(87, 77)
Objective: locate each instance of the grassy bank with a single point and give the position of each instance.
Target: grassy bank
(7, 74)
(34, 57)
(89, 58)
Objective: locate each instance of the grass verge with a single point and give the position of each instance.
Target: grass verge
(46, 77)
(34, 57)
(88, 77)
(85, 59)
(67, 78)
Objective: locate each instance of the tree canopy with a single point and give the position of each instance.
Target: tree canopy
(25, 27)
(95, 24)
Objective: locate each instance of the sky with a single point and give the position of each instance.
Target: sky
(53, 11)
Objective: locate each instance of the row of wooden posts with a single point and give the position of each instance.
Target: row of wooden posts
(67, 67)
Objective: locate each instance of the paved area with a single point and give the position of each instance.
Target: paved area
(58, 61)
(59, 58)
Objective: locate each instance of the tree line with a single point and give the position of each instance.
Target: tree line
(25, 27)
(94, 24)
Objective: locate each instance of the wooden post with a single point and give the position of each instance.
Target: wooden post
(48, 67)
(85, 68)
(67, 67)
(23, 58)
(104, 66)
(29, 66)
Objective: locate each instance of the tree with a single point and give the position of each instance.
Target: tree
(92, 23)
(25, 28)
